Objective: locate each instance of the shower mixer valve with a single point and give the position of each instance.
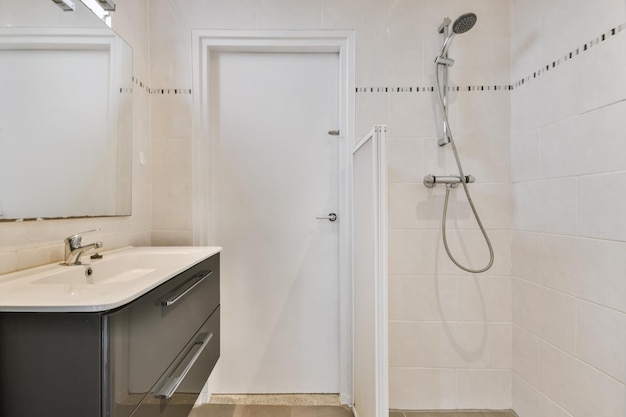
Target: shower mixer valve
(431, 180)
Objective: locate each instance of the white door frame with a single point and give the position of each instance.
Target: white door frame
(204, 42)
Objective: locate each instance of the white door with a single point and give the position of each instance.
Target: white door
(276, 170)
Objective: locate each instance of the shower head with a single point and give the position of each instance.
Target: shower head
(464, 23)
(461, 25)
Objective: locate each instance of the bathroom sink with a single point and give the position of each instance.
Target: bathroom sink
(114, 268)
(105, 273)
(119, 277)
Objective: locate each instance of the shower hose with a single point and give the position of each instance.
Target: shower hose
(465, 188)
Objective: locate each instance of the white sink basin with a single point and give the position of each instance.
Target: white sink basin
(116, 267)
(118, 278)
(107, 273)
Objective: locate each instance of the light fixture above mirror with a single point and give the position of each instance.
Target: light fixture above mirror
(101, 8)
(65, 5)
(108, 5)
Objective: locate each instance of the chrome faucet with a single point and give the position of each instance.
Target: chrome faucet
(74, 250)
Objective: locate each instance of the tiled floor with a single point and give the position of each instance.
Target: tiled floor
(309, 405)
(470, 413)
(255, 410)
(245, 410)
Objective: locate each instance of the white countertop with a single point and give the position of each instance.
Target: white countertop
(120, 277)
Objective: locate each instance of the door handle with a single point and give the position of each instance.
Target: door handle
(331, 216)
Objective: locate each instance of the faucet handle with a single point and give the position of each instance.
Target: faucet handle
(75, 240)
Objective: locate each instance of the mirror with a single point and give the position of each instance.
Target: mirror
(65, 113)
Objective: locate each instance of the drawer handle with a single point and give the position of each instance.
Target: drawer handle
(171, 384)
(187, 287)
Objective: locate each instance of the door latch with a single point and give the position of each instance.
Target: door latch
(331, 216)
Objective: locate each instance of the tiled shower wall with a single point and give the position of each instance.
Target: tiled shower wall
(27, 244)
(450, 333)
(569, 235)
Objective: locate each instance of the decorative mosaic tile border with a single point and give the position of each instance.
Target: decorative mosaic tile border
(429, 89)
(141, 84)
(163, 91)
(571, 55)
(568, 56)
(166, 91)
(432, 89)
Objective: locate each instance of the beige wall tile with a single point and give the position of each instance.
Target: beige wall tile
(28, 258)
(171, 160)
(557, 96)
(501, 61)
(601, 337)
(525, 255)
(288, 14)
(609, 86)
(524, 108)
(411, 252)
(546, 206)
(500, 160)
(546, 313)
(171, 65)
(530, 402)
(526, 354)
(578, 388)
(403, 156)
(172, 238)
(484, 389)
(422, 298)
(172, 208)
(601, 204)
(590, 269)
(450, 345)
(525, 155)
(484, 299)
(171, 116)
(366, 17)
(473, 61)
(589, 143)
(412, 115)
(422, 389)
(479, 114)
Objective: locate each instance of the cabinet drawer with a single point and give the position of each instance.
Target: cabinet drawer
(153, 330)
(177, 390)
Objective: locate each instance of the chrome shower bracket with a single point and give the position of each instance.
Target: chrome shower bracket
(450, 180)
(444, 26)
(443, 141)
(448, 62)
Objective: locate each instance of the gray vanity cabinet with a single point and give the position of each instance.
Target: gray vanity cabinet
(150, 357)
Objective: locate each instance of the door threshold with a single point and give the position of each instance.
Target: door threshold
(277, 399)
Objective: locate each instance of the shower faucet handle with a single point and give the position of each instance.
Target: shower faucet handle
(431, 180)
